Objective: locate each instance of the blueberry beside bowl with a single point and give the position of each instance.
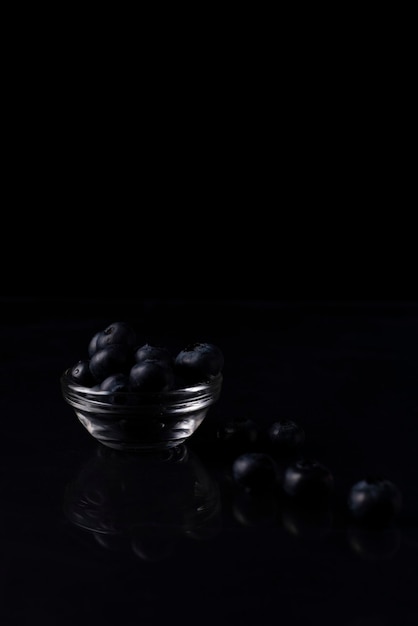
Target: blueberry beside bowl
(129, 394)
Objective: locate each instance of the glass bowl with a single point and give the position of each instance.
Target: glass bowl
(141, 421)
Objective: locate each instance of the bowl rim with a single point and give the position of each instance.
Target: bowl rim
(175, 394)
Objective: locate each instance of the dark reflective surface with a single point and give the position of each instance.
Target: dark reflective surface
(97, 536)
(147, 502)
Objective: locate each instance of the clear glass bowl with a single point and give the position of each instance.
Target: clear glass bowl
(141, 421)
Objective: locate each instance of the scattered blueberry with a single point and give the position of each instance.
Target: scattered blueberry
(237, 435)
(254, 471)
(308, 480)
(285, 435)
(374, 501)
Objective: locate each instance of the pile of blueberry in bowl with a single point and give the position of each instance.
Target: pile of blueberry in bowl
(130, 394)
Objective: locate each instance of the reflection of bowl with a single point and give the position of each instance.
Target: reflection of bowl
(147, 420)
(144, 500)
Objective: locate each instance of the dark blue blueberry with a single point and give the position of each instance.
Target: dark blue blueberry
(308, 480)
(254, 471)
(80, 373)
(116, 333)
(92, 346)
(374, 501)
(109, 360)
(199, 362)
(117, 385)
(153, 376)
(115, 382)
(153, 353)
(238, 435)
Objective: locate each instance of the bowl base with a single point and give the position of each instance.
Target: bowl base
(159, 445)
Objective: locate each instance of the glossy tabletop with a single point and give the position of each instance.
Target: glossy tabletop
(93, 536)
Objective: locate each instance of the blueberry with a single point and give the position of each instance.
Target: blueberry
(116, 382)
(308, 480)
(116, 333)
(238, 434)
(92, 346)
(374, 501)
(117, 385)
(285, 435)
(153, 353)
(151, 376)
(199, 362)
(254, 471)
(109, 360)
(80, 373)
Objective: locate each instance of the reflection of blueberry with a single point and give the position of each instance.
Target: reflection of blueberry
(374, 501)
(110, 360)
(374, 543)
(80, 373)
(116, 333)
(255, 508)
(308, 479)
(254, 471)
(151, 376)
(306, 522)
(199, 362)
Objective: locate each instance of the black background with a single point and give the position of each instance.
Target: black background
(344, 368)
